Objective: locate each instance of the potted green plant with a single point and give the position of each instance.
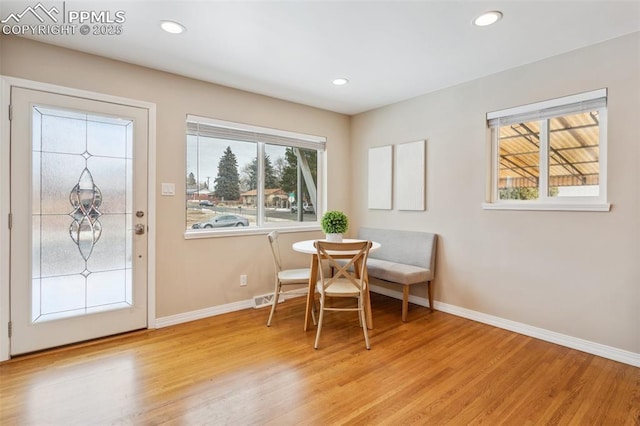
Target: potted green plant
(334, 223)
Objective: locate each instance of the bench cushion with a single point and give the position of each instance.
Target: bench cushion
(406, 247)
(397, 272)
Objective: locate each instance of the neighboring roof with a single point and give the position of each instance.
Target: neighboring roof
(574, 152)
(272, 191)
(202, 191)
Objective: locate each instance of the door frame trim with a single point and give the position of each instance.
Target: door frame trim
(6, 83)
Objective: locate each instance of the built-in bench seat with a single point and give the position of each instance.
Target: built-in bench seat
(405, 258)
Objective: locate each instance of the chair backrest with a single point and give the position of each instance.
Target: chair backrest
(355, 253)
(275, 249)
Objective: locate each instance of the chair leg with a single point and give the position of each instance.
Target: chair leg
(430, 296)
(405, 302)
(315, 345)
(363, 322)
(276, 296)
(314, 309)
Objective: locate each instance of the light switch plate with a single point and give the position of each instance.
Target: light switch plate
(168, 189)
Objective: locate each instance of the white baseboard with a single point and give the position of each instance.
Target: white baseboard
(593, 348)
(215, 310)
(203, 313)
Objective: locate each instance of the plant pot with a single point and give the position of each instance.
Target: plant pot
(334, 238)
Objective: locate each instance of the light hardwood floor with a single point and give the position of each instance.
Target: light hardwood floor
(437, 369)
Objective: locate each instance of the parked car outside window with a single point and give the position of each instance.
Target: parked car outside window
(306, 208)
(222, 221)
(206, 203)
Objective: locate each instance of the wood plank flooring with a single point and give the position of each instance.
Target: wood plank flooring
(437, 369)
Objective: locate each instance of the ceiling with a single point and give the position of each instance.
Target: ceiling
(389, 50)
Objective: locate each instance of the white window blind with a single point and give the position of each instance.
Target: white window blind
(206, 127)
(567, 105)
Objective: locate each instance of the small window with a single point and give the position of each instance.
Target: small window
(243, 177)
(550, 155)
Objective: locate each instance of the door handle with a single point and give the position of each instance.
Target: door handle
(140, 228)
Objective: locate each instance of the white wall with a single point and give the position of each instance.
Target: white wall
(574, 273)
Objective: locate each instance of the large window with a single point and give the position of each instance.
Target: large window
(550, 155)
(240, 176)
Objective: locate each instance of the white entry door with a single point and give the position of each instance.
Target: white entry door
(79, 219)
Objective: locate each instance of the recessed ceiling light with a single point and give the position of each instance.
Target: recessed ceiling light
(487, 18)
(340, 81)
(172, 27)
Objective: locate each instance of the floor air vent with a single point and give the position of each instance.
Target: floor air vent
(265, 300)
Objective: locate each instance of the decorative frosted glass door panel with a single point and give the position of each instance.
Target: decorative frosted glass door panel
(83, 274)
(81, 217)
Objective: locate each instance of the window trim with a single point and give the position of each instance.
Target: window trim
(543, 111)
(263, 136)
(243, 232)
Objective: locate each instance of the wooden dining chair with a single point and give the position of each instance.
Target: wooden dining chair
(349, 279)
(284, 277)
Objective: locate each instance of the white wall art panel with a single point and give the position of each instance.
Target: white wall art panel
(410, 175)
(380, 177)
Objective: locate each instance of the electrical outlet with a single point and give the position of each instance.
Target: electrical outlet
(243, 280)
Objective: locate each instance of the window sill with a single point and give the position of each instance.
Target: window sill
(235, 232)
(570, 207)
